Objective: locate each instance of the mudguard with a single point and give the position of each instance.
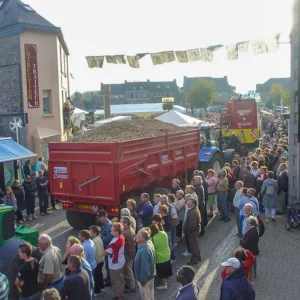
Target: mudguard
(206, 153)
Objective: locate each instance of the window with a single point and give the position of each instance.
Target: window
(61, 59)
(158, 86)
(167, 86)
(134, 89)
(296, 52)
(138, 95)
(141, 88)
(296, 74)
(296, 96)
(47, 102)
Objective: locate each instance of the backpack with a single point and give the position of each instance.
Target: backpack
(261, 224)
(270, 190)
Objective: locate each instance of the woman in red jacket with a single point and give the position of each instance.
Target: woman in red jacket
(246, 259)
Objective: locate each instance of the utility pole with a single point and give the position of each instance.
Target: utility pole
(106, 91)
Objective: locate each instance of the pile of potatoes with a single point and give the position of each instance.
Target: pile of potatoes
(121, 131)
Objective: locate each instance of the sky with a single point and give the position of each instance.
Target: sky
(111, 27)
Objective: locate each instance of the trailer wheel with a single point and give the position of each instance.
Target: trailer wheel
(73, 219)
(229, 155)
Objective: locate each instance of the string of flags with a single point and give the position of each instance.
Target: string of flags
(260, 46)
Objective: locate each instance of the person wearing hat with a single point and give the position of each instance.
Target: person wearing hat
(30, 190)
(235, 285)
(222, 190)
(106, 235)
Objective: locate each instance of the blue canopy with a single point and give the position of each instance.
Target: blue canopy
(10, 150)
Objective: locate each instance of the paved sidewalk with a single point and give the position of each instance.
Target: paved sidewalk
(278, 262)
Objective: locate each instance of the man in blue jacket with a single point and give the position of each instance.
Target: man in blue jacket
(188, 289)
(146, 212)
(144, 265)
(105, 223)
(235, 286)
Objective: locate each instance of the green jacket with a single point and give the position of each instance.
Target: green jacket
(161, 245)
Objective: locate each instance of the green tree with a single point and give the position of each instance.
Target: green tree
(77, 97)
(202, 93)
(277, 93)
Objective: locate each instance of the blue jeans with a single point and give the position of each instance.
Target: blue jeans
(57, 285)
(222, 199)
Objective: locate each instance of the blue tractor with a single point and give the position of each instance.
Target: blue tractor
(211, 155)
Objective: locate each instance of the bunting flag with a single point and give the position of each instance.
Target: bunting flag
(215, 47)
(111, 59)
(232, 52)
(162, 57)
(121, 59)
(243, 46)
(133, 61)
(259, 46)
(194, 54)
(95, 61)
(182, 56)
(206, 55)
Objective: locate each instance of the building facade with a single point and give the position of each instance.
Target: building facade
(265, 88)
(34, 76)
(294, 130)
(143, 92)
(224, 90)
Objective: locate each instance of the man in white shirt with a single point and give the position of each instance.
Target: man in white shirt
(156, 201)
(239, 189)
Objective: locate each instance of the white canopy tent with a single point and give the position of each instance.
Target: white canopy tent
(79, 116)
(178, 118)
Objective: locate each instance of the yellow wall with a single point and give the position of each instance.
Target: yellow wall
(50, 78)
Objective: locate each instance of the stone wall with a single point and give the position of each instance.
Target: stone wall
(11, 102)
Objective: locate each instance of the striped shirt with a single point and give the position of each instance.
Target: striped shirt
(4, 287)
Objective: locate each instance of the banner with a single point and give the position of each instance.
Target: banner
(259, 46)
(32, 76)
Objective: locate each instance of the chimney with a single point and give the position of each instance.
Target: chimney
(106, 92)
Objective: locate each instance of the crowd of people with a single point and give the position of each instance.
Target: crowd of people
(22, 198)
(139, 247)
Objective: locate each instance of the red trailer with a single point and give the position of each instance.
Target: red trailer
(89, 177)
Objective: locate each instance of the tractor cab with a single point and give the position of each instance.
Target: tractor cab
(208, 136)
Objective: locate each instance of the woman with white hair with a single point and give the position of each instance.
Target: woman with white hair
(125, 212)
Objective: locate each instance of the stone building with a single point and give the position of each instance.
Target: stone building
(143, 92)
(224, 90)
(264, 88)
(294, 128)
(34, 76)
